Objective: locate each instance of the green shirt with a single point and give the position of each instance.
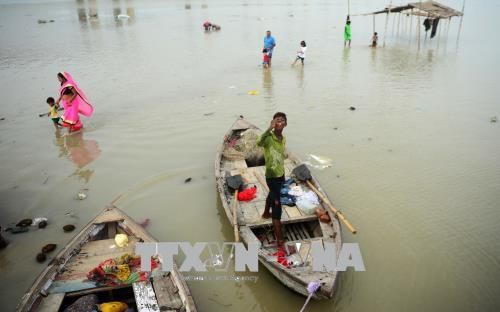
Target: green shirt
(274, 154)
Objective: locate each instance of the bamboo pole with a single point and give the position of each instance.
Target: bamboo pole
(373, 22)
(387, 21)
(349, 7)
(393, 25)
(461, 20)
(411, 23)
(439, 35)
(399, 20)
(418, 26)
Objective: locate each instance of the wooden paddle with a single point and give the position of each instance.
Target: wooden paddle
(235, 182)
(302, 173)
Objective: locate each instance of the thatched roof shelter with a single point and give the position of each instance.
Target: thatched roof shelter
(431, 9)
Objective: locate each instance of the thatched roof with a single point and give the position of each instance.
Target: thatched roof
(429, 8)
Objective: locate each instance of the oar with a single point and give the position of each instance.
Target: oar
(235, 182)
(302, 173)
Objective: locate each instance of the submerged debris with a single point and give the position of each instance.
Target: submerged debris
(24, 223)
(48, 248)
(41, 257)
(68, 228)
(17, 230)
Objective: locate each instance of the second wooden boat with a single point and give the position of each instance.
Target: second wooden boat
(66, 278)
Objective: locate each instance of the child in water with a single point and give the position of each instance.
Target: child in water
(53, 111)
(374, 40)
(265, 62)
(301, 53)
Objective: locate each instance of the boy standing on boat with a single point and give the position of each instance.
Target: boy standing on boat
(273, 142)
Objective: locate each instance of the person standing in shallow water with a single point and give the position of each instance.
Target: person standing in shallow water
(269, 44)
(347, 32)
(73, 101)
(273, 142)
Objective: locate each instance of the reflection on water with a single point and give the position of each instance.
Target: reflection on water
(267, 83)
(123, 12)
(81, 152)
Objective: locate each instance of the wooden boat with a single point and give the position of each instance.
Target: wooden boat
(297, 226)
(65, 278)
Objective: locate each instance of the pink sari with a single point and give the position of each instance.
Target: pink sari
(79, 105)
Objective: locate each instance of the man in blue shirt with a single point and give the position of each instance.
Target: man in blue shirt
(269, 44)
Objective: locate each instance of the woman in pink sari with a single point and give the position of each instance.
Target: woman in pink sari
(73, 101)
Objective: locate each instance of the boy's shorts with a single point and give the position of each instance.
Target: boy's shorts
(56, 120)
(274, 195)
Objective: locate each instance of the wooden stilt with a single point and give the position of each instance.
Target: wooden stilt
(411, 23)
(373, 22)
(399, 20)
(418, 28)
(387, 21)
(460, 25)
(393, 25)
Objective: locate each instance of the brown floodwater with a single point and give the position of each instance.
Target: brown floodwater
(415, 167)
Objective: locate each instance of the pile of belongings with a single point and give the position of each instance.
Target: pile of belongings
(90, 302)
(293, 194)
(121, 271)
(244, 146)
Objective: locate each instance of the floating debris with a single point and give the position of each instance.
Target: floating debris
(352, 108)
(24, 223)
(17, 230)
(318, 162)
(494, 119)
(144, 222)
(48, 248)
(122, 16)
(68, 228)
(3, 118)
(335, 128)
(209, 114)
(38, 220)
(42, 224)
(253, 92)
(82, 194)
(41, 257)
(188, 180)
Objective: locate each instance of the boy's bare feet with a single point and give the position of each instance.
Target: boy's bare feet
(266, 215)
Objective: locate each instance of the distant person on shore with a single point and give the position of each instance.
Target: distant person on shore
(301, 53)
(53, 112)
(374, 40)
(273, 142)
(347, 32)
(265, 61)
(269, 44)
(73, 101)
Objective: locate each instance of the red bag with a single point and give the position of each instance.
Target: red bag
(248, 194)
